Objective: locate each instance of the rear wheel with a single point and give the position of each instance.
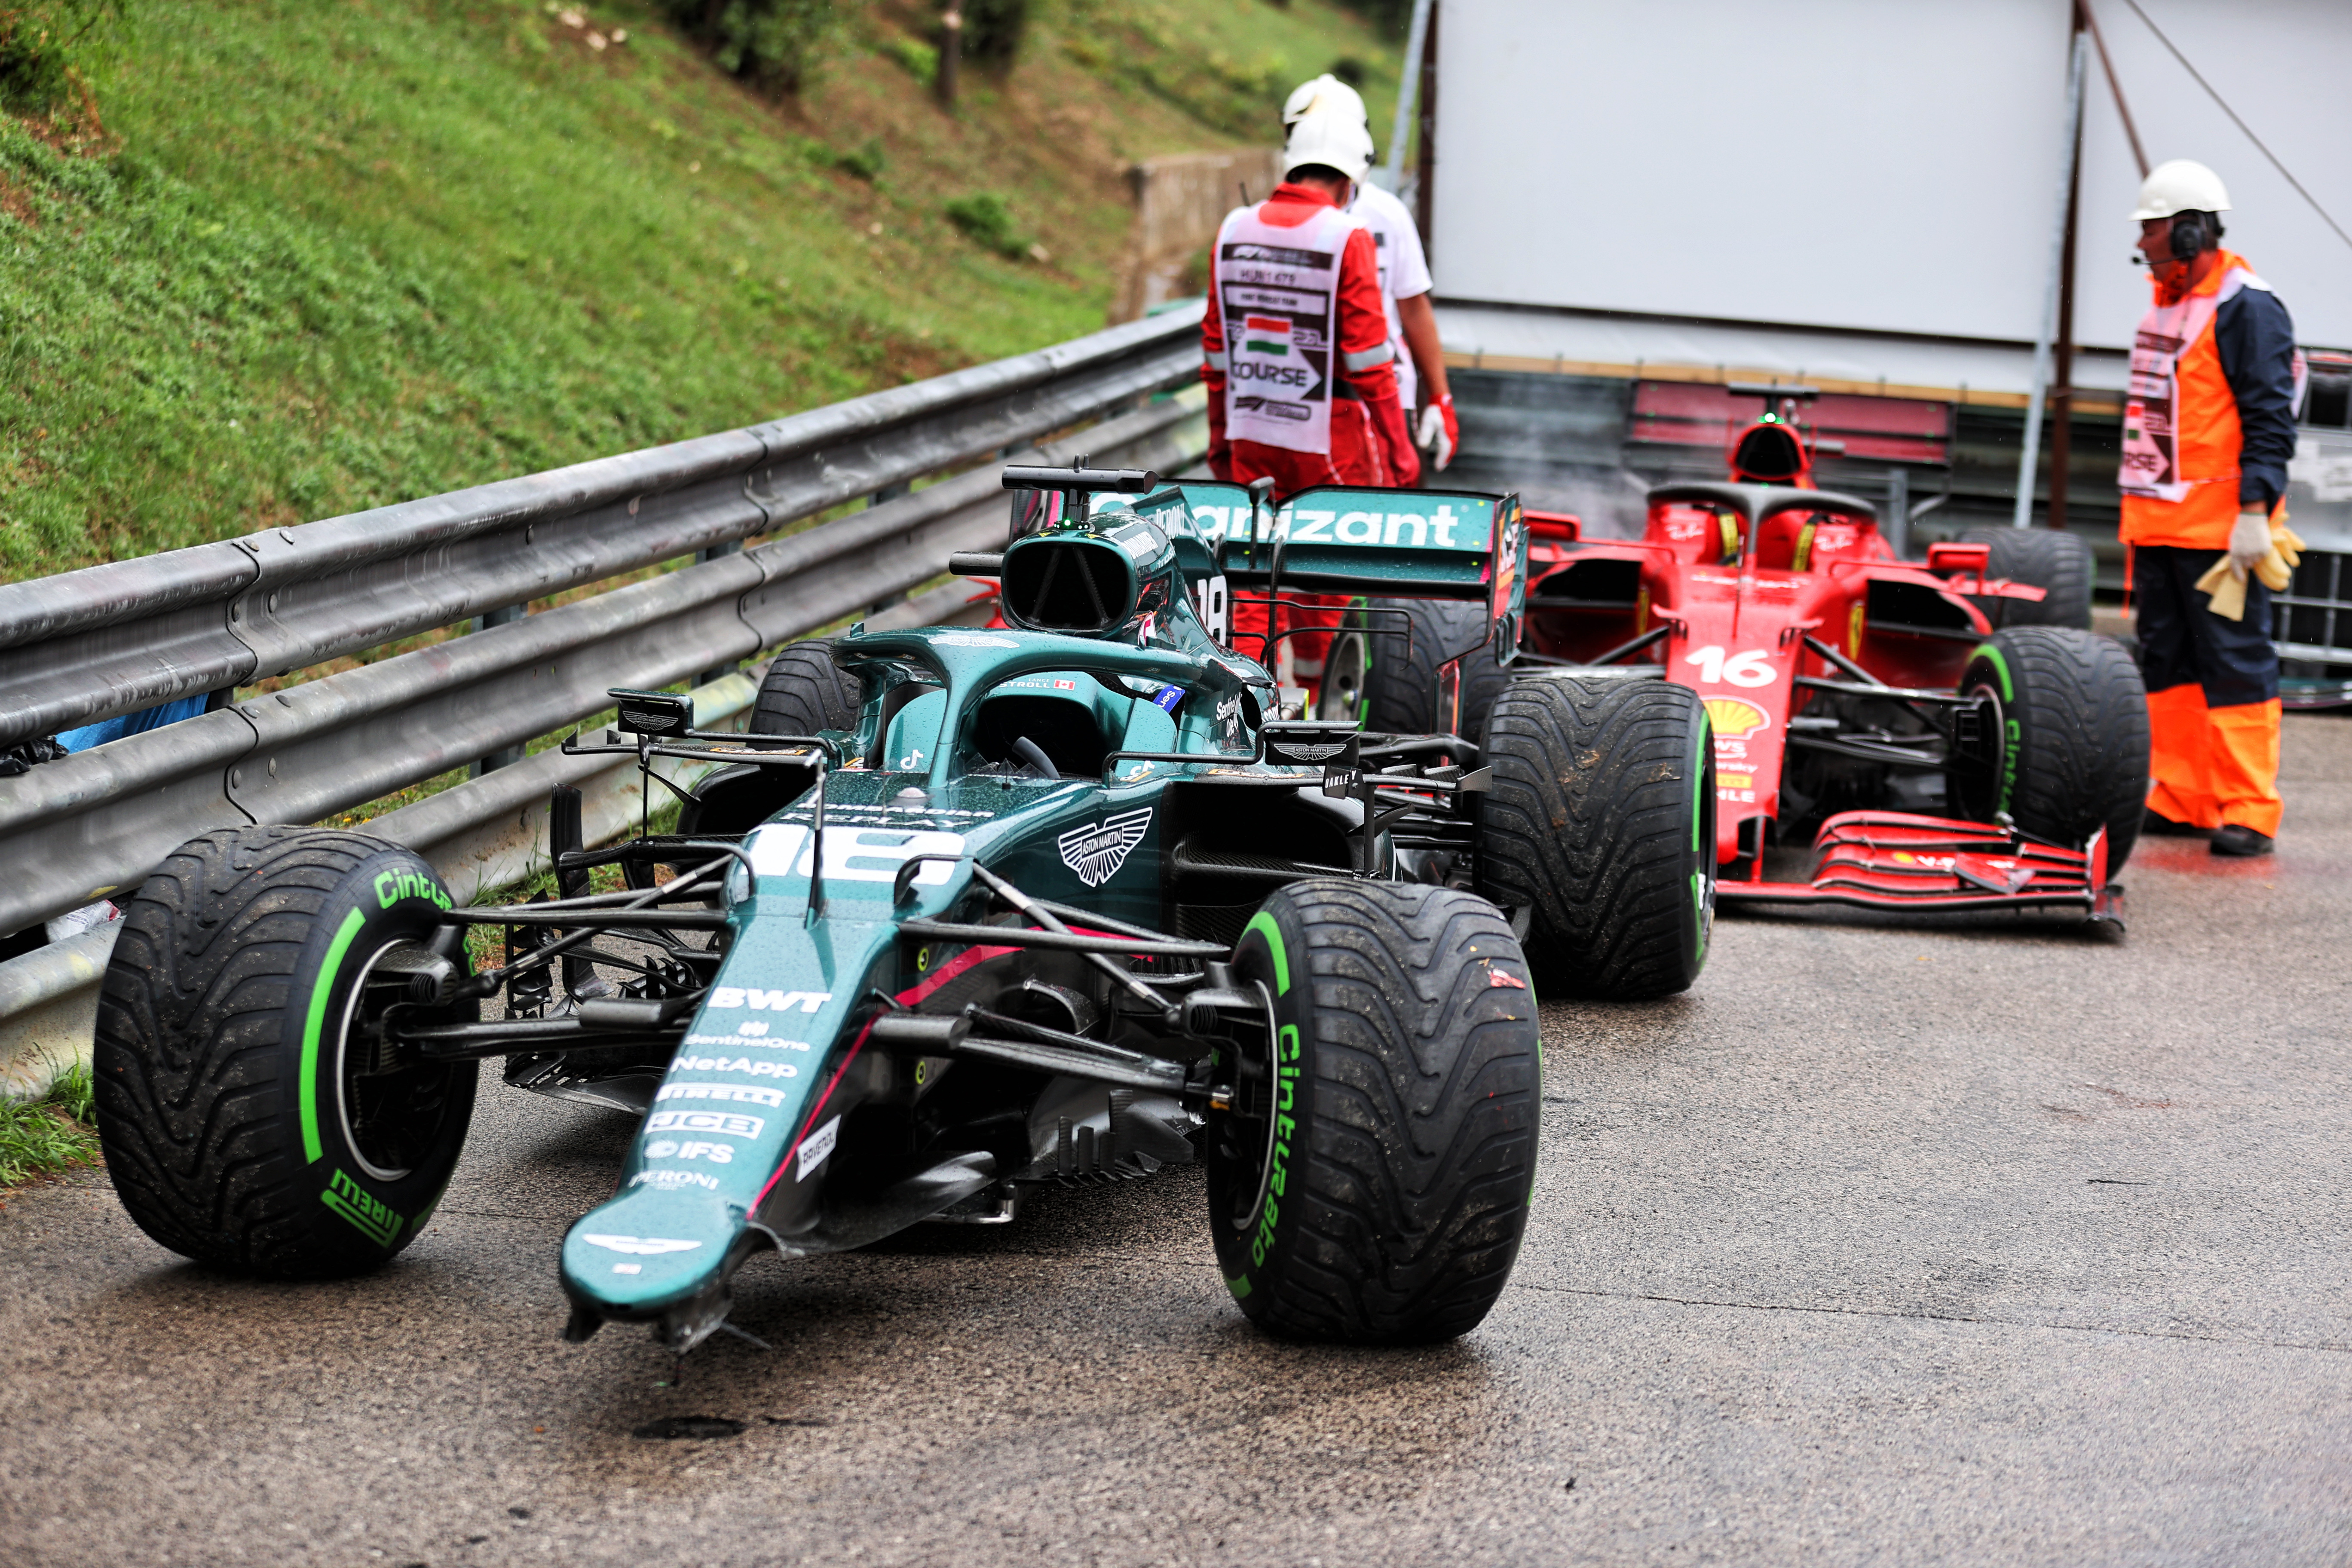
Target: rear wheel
(1600, 823)
(804, 692)
(253, 1116)
(2065, 737)
(1340, 693)
(1369, 1182)
(1401, 681)
(2057, 563)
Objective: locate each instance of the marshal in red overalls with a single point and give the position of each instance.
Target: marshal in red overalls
(1301, 374)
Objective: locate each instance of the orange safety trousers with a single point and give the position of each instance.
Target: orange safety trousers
(2208, 767)
(2212, 696)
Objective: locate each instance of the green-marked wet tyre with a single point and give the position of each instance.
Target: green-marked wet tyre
(2062, 748)
(1369, 1182)
(251, 1116)
(1600, 823)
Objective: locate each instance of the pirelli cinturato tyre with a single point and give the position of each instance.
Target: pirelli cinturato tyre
(252, 1115)
(1401, 681)
(1370, 1181)
(2059, 740)
(804, 692)
(1599, 824)
(2057, 563)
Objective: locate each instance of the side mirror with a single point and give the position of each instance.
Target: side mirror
(654, 713)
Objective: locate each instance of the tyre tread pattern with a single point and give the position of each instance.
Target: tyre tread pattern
(1400, 686)
(1420, 1149)
(1586, 823)
(804, 692)
(2057, 563)
(2085, 749)
(188, 1065)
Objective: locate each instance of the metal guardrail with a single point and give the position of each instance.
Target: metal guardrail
(114, 638)
(111, 639)
(88, 645)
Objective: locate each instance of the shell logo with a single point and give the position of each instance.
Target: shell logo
(1735, 720)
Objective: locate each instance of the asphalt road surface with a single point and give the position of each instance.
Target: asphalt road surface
(2002, 1242)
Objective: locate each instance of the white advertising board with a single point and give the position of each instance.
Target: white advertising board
(1858, 164)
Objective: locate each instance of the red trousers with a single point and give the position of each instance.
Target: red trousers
(1356, 457)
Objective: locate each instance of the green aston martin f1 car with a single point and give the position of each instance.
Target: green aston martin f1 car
(967, 912)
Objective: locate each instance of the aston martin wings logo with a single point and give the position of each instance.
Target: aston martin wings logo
(1097, 852)
(642, 1245)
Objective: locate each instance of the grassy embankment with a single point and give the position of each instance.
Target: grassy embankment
(45, 1136)
(284, 261)
(273, 260)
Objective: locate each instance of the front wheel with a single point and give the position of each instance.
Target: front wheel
(254, 1116)
(1600, 823)
(1370, 1181)
(2060, 742)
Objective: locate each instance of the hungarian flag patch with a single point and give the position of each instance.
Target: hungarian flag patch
(1266, 335)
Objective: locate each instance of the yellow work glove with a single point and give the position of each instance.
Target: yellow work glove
(2226, 580)
(2277, 569)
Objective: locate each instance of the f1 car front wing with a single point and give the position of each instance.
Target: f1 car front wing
(1892, 859)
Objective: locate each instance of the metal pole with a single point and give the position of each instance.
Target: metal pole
(2061, 393)
(2115, 85)
(2026, 459)
(1407, 89)
(1425, 188)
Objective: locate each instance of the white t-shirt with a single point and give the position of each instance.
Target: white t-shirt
(1404, 271)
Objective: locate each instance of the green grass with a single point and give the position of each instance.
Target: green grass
(331, 255)
(42, 1137)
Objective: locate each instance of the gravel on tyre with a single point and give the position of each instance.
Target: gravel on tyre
(2058, 563)
(804, 692)
(1600, 823)
(1401, 684)
(2071, 752)
(244, 1117)
(1369, 1185)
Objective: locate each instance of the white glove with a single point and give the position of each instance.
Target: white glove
(1433, 438)
(2250, 542)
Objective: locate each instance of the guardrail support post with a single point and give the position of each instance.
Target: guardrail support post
(888, 493)
(505, 756)
(732, 547)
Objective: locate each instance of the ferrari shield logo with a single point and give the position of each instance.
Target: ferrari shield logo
(1095, 852)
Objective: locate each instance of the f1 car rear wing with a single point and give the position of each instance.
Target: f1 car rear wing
(1402, 545)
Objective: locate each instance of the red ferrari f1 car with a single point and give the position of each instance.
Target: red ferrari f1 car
(1948, 748)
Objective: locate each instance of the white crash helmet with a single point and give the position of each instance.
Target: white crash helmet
(2179, 186)
(1327, 94)
(1331, 139)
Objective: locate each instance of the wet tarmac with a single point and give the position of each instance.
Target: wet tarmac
(1989, 1242)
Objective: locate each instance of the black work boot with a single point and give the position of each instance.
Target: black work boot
(2236, 839)
(2154, 823)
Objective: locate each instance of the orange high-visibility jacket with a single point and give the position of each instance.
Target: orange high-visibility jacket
(2189, 468)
